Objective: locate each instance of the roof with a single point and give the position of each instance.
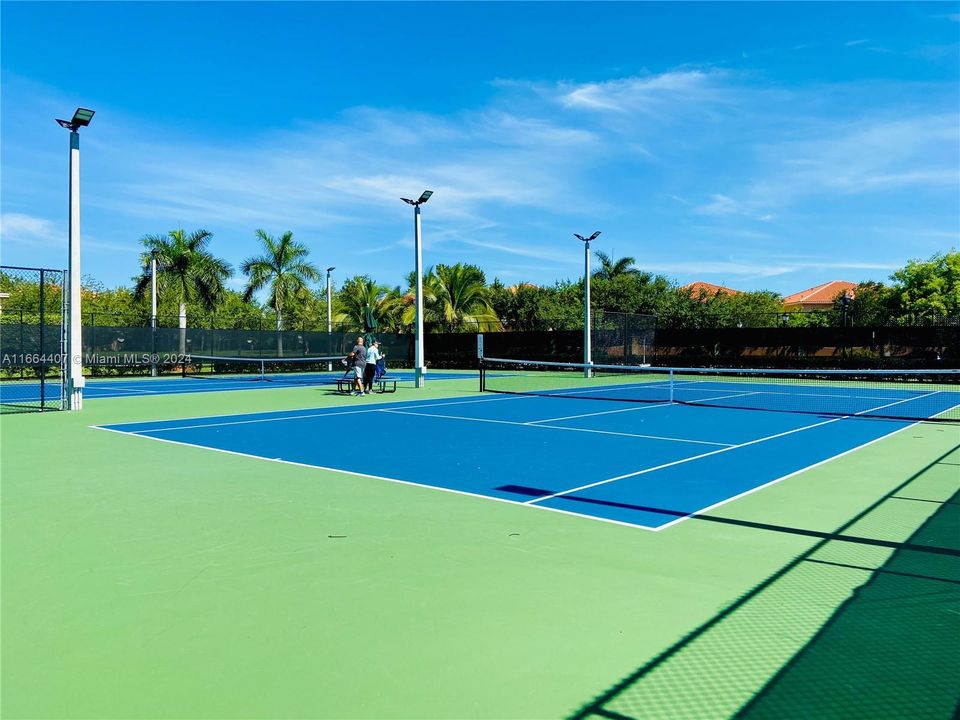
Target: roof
(699, 287)
(821, 294)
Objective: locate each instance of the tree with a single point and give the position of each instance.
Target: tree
(611, 269)
(283, 267)
(632, 292)
(870, 304)
(456, 297)
(186, 269)
(359, 293)
(929, 289)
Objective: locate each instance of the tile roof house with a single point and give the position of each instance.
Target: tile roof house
(705, 289)
(820, 297)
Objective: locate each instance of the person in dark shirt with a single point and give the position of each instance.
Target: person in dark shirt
(359, 363)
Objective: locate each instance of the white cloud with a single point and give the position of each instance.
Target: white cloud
(30, 230)
(643, 94)
(759, 269)
(721, 205)
(539, 252)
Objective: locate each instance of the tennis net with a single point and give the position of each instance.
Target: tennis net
(296, 370)
(898, 394)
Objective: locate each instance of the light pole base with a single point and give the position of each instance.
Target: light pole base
(75, 393)
(419, 377)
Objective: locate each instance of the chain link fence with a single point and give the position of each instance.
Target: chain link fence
(32, 340)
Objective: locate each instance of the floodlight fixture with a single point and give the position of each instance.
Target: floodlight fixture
(424, 196)
(81, 118)
(331, 269)
(587, 239)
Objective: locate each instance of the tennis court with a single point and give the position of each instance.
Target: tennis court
(557, 545)
(648, 465)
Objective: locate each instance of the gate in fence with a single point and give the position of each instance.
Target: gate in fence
(32, 339)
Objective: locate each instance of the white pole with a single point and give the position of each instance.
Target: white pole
(75, 342)
(153, 316)
(587, 354)
(329, 319)
(183, 328)
(419, 370)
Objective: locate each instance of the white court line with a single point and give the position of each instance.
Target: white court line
(378, 477)
(95, 389)
(701, 511)
(334, 411)
(722, 397)
(715, 452)
(556, 427)
(604, 412)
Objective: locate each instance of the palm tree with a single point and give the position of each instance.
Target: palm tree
(362, 292)
(610, 269)
(283, 267)
(186, 268)
(457, 298)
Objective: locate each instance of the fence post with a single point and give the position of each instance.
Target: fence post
(43, 366)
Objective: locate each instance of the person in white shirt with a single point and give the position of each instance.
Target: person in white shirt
(373, 355)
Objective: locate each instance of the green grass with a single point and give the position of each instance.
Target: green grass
(143, 579)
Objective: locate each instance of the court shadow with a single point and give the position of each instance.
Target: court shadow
(667, 512)
(855, 627)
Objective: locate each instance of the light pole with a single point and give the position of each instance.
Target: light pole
(81, 118)
(153, 315)
(587, 354)
(329, 316)
(418, 368)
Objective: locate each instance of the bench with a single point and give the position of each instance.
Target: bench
(347, 384)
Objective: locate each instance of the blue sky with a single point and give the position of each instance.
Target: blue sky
(757, 145)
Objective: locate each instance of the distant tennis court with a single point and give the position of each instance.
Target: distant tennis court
(27, 394)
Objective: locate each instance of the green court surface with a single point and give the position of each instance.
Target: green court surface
(154, 580)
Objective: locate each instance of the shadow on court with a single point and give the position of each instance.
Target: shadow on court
(875, 622)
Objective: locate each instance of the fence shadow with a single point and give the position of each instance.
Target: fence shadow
(874, 619)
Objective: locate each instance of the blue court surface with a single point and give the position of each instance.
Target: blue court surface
(644, 465)
(99, 388)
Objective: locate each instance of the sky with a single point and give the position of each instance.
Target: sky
(755, 145)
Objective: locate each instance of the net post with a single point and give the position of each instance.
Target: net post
(671, 386)
(483, 376)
